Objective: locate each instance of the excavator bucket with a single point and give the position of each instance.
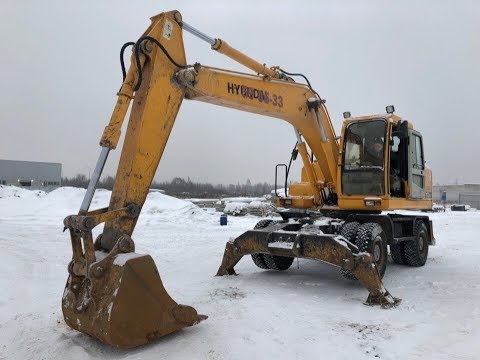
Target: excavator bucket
(120, 299)
(333, 249)
(128, 307)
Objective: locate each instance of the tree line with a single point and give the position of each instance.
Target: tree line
(180, 187)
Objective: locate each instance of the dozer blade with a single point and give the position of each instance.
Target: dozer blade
(332, 249)
(123, 302)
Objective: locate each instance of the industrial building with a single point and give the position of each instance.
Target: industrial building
(31, 174)
(466, 194)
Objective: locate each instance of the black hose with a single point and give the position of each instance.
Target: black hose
(290, 163)
(137, 58)
(306, 79)
(122, 61)
(297, 74)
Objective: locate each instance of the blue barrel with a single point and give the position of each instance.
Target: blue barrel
(223, 219)
(444, 196)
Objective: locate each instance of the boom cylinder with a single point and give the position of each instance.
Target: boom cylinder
(197, 33)
(223, 48)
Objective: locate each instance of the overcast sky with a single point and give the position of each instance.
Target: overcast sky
(60, 74)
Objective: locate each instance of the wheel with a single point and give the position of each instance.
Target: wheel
(263, 223)
(397, 251)
(267, 261)
(275, 262)
(372, 239)
(258, 258)
(349, 232)
(416, 251)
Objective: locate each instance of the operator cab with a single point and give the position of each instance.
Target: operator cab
(383, 156)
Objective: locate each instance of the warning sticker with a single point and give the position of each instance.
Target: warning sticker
(167, 30)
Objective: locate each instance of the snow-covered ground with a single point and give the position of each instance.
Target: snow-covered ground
(307, 312)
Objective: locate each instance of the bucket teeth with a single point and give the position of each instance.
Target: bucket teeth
(385, 300)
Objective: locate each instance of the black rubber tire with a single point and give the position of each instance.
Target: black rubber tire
(416, 251)
(258, 258)
(267, 261)
(397, 251)
(371, 237)
(349, 232)
(275, 262)
(263, 223)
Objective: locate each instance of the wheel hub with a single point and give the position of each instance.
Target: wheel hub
(420, 242)
(377, 251)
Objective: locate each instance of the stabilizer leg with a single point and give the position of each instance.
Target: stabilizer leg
(331, 249)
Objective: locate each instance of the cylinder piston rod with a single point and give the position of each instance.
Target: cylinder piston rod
(94, 180)
(197, 33)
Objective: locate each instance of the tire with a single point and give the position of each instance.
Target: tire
(267, 261)
(416, 251)
(263, 224)
(275, 262)
(397, 251)
(349, 232)
(258, 258)
(372, 239)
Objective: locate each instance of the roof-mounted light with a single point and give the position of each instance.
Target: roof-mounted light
(390, 109)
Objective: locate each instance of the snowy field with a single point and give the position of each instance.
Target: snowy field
(307, 312)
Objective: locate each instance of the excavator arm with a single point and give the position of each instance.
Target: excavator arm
(116, 295)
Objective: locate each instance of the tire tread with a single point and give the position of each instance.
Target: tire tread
(349, 232)
(413, 256)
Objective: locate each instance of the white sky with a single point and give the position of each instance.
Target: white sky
(60, 74)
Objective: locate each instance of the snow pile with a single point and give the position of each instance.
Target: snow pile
(244, 199)
(438, 207)
(243, 205)
(67, 200)
(8, 191)
(163, 207)
(235, 208)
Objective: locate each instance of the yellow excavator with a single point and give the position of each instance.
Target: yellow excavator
(333, 215)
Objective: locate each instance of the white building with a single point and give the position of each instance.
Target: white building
(31, 174)
(467, 194)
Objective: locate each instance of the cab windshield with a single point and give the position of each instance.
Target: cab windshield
(363, 158)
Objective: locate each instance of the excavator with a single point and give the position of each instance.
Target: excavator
(335, 214)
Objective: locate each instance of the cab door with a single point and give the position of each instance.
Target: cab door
(416, 172)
